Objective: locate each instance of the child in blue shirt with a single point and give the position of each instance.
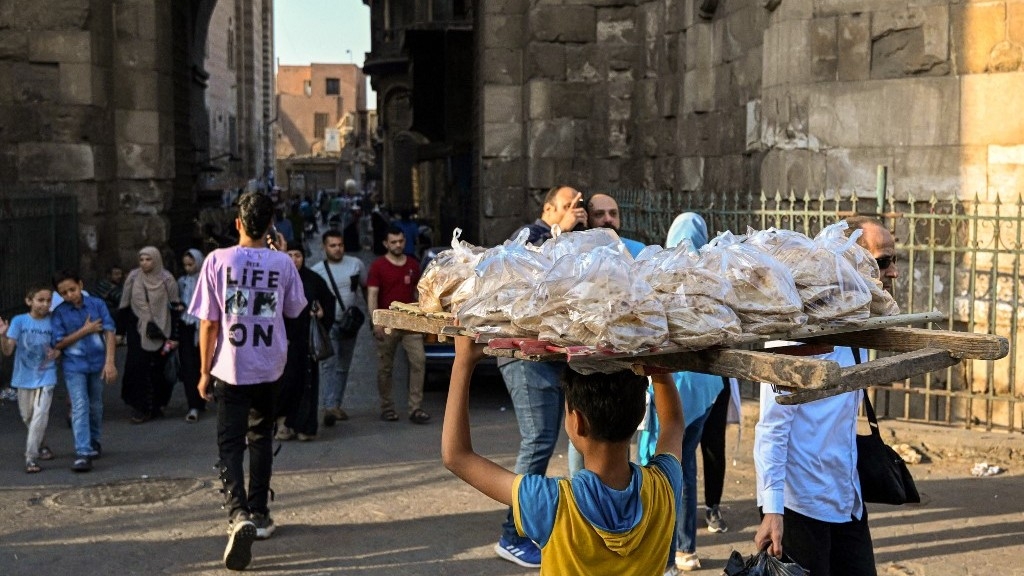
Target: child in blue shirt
(613, 517)
(28, 337)
(84, 332)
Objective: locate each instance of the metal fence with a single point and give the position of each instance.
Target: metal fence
(962, 258)
(38, 236)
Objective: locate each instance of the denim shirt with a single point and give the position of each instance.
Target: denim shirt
(89, 354)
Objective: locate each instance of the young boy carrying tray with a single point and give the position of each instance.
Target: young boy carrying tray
(614, 517)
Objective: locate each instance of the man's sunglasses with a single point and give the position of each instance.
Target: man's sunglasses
(885, 261)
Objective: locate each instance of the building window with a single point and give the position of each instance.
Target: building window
(333, 87)
(320, 121)
(231, 49)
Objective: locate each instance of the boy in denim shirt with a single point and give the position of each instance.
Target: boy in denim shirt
(84, 332)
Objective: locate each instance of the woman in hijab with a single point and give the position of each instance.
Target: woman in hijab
(149, 292)
(698, 393)
(300, 384)
(188, 345)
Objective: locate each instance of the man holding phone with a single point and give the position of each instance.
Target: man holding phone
(535, 387)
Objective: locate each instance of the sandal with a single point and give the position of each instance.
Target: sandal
(45, 453)
(419, 417)
(389, 415)
(31, 467)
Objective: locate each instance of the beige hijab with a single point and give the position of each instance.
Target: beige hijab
(150, 295)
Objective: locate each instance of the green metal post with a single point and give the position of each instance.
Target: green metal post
(880, 189)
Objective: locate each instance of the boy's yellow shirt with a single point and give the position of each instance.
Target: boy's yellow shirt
(577, 547)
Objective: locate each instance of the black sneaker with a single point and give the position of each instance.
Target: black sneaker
(713, 516)
(82, 464)
(238, 552)
(97, 450)
(264, 525)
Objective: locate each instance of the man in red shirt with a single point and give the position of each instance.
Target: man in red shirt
(393, 278)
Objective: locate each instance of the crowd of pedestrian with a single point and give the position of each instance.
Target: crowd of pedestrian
(234, 328)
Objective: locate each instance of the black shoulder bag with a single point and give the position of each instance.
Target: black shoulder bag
(352, 318)
(884, 477)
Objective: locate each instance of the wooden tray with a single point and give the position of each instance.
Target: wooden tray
(919, 351)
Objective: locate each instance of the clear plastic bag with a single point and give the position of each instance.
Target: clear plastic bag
(762, 564)
(696, 301)
(449, 278)
(831, 290)
(882, 303)
(583, 242)
(766, 298)
(504, 275)
(595, 299)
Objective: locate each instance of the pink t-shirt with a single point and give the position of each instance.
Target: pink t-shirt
(249, 291)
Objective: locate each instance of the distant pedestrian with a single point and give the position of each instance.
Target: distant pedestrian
(242, 356)
(344, 275)
(300, 386)
(188, 339)
(84, 333)
(393, 278)
(29, 337)
(149, 300)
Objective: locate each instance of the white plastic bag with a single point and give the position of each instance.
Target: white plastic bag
(448, 279)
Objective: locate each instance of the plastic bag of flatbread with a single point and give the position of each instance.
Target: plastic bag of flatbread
(595, 299)
(504, 274)
(832, 291)
(766, 297)
(696, 300)
(527, 313)
(882, 303)
(449, 278)
(583, 242)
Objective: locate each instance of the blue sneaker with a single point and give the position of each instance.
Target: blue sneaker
(525, 553)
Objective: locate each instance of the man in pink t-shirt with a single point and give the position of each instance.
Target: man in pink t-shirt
(242, 297)
(393, 278)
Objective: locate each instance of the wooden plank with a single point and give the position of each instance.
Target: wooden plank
(411, 322)
(793, 371)
(895, 339)
(876, 372)
(810, 330)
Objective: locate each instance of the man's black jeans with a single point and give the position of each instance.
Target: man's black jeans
(829, 549)
(245, 412)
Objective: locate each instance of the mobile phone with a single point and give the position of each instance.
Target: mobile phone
(272, 238)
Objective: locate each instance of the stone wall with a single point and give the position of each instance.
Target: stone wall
(778, 95)
(81, 106)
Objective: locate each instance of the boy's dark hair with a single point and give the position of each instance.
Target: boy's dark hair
(614, 404)
(394, 230)
(330, 233)
(34, 289)
(256, 211)
(65, 274)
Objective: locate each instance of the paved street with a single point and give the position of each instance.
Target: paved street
(371, 497)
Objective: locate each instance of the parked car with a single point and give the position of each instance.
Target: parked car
(440, 355)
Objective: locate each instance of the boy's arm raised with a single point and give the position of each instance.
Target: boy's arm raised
(7, 345)
(456, 443)
(670, 415)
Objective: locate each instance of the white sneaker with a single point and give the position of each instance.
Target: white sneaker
(687, 562)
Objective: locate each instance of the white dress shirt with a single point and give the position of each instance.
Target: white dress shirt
(806, 455)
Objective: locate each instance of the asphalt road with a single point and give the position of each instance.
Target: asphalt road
(371, 497)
